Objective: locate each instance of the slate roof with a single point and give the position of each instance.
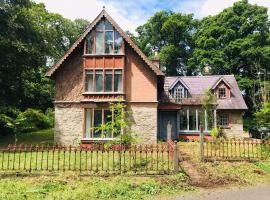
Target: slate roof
(197, 85)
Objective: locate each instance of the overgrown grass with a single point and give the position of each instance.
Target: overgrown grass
(73, 186)
(226, 172)
(44, 136)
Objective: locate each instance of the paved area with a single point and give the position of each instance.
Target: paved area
(261, 192)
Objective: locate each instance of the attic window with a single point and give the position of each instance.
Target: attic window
(104, 40)
(179, 92)
(221, 92)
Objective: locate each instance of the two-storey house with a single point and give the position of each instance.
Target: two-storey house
(104, 65)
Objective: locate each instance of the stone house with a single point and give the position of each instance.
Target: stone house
(104, 65)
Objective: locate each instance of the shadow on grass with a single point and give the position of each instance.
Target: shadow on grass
(44, 136)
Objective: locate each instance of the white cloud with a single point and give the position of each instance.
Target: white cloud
(89, 9)
(212, 7)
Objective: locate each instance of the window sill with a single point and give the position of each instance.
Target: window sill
(101, 55)
(103, 93)
(97, 139)
(225, 127)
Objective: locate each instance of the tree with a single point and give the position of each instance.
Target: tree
(263, 115)
(31, 40)
(236, 41)
(171, 34)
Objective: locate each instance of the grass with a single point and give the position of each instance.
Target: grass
(73, 186)
(37, 137)
(227, 172)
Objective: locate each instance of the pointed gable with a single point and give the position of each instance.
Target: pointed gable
(221, 80)
(178, 80)
(81, 39)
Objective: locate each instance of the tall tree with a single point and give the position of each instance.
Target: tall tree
(171, 34)
(236, 41)
(31, 39)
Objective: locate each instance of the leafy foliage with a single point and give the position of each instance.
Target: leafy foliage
(171, 34)
(236, 41)
(31, 40)
(121, 123)
(263, 115)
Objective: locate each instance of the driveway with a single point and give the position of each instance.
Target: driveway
(261, 192)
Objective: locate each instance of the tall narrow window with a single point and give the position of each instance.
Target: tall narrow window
(97, 123)
(89, 81)
(108, 81)
(118, 81)
(118, 43)
(88, 123)
(109, 42)
(99, 42)
(192, 119)
(107, 118)
(183, 119)
(99, 80)
(89, 44)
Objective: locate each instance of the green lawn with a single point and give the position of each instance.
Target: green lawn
(38, 137)
(74, 186)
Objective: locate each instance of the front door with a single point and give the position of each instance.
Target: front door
(164, 117)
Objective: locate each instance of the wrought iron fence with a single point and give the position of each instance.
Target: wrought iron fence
(94, 158)
(236, 150)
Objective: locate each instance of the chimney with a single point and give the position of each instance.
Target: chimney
(155, 59)
(207, 69)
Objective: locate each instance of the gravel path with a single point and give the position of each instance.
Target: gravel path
(261, 192)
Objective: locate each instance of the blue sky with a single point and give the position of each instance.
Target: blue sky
(129, 14)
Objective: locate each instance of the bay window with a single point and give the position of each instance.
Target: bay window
(192, 118)
(106, 80)
(104, 39)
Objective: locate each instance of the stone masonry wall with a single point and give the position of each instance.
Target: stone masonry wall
(144, 117)
(68, 125)
(235, 129)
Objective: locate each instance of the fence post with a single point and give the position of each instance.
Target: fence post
(201, 144)
(176, 158)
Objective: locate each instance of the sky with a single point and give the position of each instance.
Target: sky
(129, 14)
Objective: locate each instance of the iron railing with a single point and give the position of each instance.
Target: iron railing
(94, 158)
(236, 150)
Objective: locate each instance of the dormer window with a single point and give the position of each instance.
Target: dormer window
(179, 92)
(104, 39)
(222, 93)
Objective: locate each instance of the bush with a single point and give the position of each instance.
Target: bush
(7, 116)
(31, 120)
(263, 115)
(215, 132)
(50, 116)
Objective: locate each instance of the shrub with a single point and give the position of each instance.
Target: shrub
(31, 120)
(50, 116)
(263, 115)
(7, 116)
(215, 132)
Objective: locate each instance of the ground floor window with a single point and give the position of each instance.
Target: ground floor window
(95, 118)
(190, 119)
